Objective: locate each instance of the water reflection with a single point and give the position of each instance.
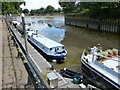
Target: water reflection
(46, 27)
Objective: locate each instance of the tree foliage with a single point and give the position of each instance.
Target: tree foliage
(93, 9)
(102, 9)
(68, 7)
(49, 9)
(11, 7)
(26, 11)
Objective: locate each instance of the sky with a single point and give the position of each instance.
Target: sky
(37, 4)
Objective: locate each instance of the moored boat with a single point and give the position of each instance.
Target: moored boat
(20, 27)
(102, 65)
(49, 47)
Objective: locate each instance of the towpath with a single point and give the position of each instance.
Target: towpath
(12, 71)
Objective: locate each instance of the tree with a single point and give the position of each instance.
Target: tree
(11, 7)
(68, 7)
(102, 10)
(98, 10)
(32, 12)
(59, 10)
(49, 9)
(26, 11)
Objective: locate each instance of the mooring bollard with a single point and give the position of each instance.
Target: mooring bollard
(54, 64)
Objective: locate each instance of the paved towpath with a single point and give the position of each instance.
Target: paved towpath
(1, 39)
(12, 71)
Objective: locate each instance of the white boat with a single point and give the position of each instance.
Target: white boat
(15, 23)
(20, 27)
(49, 47)
(102, 65)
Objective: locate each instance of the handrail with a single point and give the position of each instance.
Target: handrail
(33, 74)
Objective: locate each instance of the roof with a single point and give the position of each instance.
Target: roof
(46, 41)
(112, 63)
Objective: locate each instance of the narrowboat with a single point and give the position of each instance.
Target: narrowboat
(50, 48)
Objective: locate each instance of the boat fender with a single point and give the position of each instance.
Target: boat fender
(75, 80)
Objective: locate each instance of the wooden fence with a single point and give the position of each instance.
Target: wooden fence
(107, 25)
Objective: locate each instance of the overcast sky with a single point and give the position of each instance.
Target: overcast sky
(36, 4)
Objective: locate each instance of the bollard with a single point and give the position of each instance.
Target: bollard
(54, 65)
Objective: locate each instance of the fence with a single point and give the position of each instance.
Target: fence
(107, 25)
(33, 74)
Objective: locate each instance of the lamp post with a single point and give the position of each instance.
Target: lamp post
(10, 18)
(24, 29)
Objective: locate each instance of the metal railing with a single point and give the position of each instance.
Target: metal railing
(36, 79)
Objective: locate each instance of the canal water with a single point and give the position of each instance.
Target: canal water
(75, 39)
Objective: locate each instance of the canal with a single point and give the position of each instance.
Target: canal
(75, 39)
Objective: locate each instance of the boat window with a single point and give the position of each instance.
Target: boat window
(87, 60)
(63, 51)
(62, 47)
(112, 68)
(50, 48)
(118, 66)
(43, 47)
(57, 48)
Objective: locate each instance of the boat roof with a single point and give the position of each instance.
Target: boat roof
(113, 63)
(46, 41)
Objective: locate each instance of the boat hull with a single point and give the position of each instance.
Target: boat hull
(97, 79)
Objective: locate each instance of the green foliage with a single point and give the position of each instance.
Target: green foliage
(102, 10)
(98, 10)
(68, 7)
(26, 11)
(11, 7)
(49, 9)
(37, 11)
